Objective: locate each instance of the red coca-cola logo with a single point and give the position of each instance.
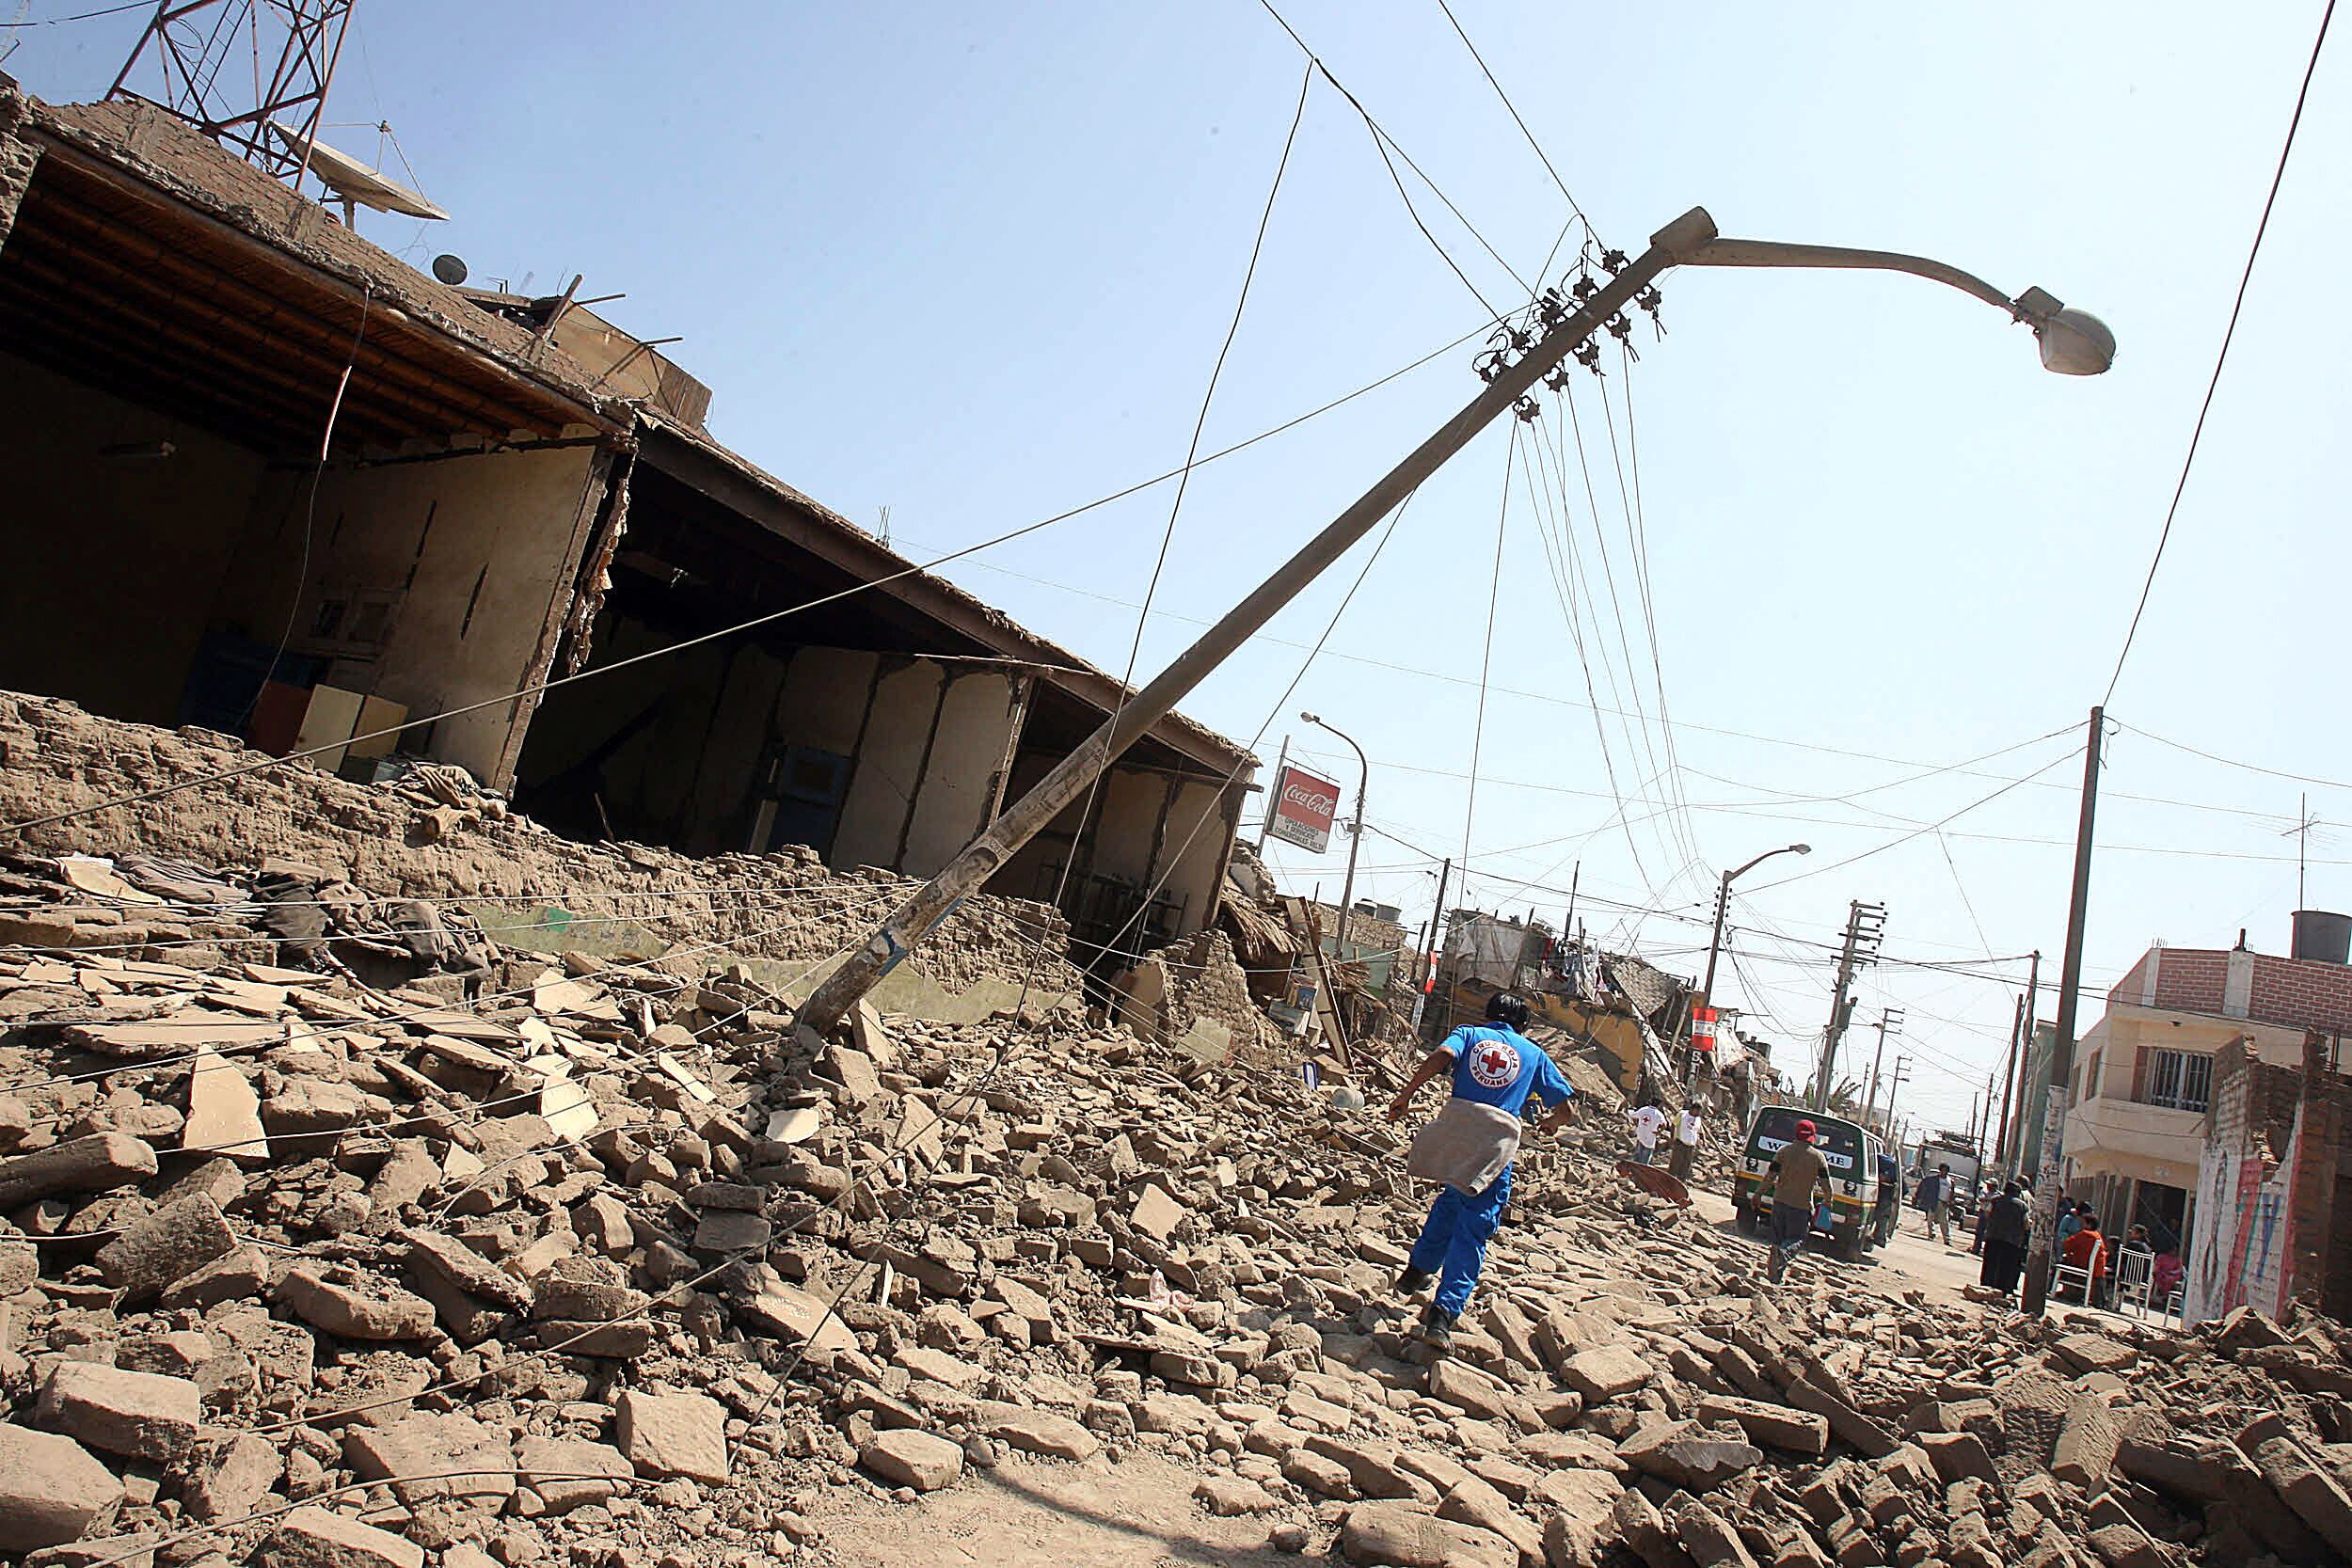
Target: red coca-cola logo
(1313, 801)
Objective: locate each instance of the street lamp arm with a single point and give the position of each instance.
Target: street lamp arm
(1773, 253)
(1731, 877)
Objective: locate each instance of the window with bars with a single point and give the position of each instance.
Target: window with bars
(2179, 1080)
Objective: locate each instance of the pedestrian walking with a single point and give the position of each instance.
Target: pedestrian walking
(1469, 1146)
(1984, 1207)
(1799, 1177)
(1687, 1131)
(1647, 1119)
(2007, 1226)
(1936, 1202)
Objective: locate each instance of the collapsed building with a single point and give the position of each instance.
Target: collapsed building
(510, 493)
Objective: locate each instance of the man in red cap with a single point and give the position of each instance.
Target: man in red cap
(1800, 1177)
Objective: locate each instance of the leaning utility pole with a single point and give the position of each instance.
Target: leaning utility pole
(1025, 819)
(1865, 924)
(2045, 1194)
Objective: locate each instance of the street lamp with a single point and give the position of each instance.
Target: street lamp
(1723, 900)
(2073, 344)
(1354, 840)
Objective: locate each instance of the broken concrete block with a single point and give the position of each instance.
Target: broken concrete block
(137, 1415)
(2316, 1497)
(1680, 1453)
(433, 1458)
(854, 1070)
(233, 1277)
(52, 1490)
(311, 1537)
(1395, 1535)
(1605, 1372)
(915, 1459)
(1481, 1506)
(1375, 1473)
(308, 1112)
(1231, 1496)
(224, 1112)
(556, 1469)
(1710, 1541)
(233, 1476)
(672, 1434)
(354, 1306)
(2088, 1444)
(1156, 1214)
(1037, 1431)
(1776, 1426)
(164, 1247)
(97, 1163)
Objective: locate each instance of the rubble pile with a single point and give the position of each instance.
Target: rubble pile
(431, 836)
(600, 1265)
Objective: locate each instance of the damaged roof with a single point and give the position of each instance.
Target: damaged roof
(938, 596)
(160, 153)
(123, 189)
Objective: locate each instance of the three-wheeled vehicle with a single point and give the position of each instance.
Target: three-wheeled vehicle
(1851, 1153)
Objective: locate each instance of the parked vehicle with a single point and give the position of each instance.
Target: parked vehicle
(1851, 1153)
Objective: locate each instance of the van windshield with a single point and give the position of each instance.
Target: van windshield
(1840, 1144)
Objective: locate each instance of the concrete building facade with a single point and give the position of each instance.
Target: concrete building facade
(2144, 1075)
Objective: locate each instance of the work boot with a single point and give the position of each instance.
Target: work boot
(1413, 1281)
(1436, 1326)
(1778, 1266)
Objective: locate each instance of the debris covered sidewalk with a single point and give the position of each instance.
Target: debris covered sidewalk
(508, 1260)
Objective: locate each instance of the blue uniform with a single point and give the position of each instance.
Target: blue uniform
(1493, 1065)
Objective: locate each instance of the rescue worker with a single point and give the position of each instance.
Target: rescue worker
(1469, 1146)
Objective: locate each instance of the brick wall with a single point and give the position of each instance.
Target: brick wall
(2295, 993)
(2270, 1226)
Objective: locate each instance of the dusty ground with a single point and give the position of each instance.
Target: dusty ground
(1137, 1513)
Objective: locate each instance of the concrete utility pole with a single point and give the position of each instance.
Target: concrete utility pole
(2070, 342)
(1723, 901)
(1889, 1019)
(2045, 1194)
(1894, 1088)
(1355, 839)
(1273, 797)
(1865, 924)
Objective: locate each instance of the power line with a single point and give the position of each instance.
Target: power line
(1384, 142)
(79, 16)
(1516, 117)
(2223, 358)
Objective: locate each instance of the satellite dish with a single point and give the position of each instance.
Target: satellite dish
(450, 269)
(353, 180)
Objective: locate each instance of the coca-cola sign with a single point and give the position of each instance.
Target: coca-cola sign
(1304, 806)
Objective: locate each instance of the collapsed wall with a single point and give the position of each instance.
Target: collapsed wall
(785, 915)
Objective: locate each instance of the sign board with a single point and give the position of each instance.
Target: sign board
(1702, 1028)
(1304, 806)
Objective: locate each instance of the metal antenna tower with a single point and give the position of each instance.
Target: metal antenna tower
(251, 75)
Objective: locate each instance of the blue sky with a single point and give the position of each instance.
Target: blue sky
(974, 264)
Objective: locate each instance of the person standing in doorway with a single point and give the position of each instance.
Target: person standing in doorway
(1647, 1121)
(1800, 1185)
(1687, 1131)
(1469, 1146)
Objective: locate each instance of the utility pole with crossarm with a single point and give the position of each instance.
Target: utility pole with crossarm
(2071, 343)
